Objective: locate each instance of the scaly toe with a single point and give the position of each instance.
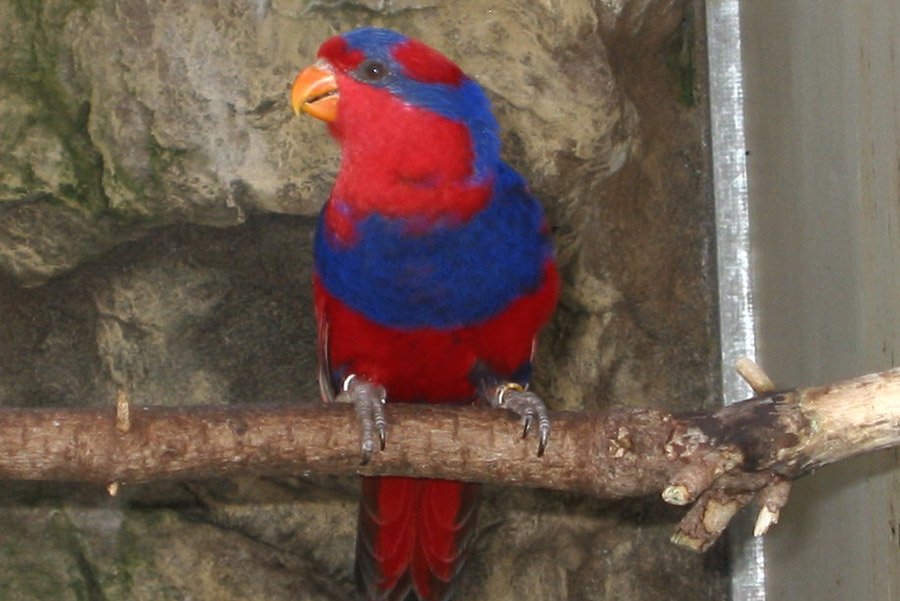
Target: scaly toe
(368, 399)
(529, 406)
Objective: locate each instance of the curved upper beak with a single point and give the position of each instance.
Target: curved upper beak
(315, 93)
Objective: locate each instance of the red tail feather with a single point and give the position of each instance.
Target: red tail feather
(414, 536)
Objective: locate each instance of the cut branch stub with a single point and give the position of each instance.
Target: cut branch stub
(772, 500)
(704, 523)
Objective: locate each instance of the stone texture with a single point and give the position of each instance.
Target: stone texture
(156, 113)
(156, 204)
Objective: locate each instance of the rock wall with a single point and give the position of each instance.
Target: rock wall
(156, 208)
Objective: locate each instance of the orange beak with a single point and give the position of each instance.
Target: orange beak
(315, 93)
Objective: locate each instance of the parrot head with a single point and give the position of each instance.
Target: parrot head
(411, 125)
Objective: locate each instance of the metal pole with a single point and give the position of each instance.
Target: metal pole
(737, 320)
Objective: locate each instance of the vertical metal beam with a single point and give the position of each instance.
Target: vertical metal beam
(737, 321)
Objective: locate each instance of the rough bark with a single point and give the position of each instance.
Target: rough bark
(721, 458)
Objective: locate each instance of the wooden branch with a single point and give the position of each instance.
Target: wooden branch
(719, 460)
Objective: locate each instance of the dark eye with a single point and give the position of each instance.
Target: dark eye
(372, 70)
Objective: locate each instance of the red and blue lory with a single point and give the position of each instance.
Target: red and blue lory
(433, 274)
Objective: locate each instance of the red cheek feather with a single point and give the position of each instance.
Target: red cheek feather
(400, 160)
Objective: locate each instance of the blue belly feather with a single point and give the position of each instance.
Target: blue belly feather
(448, 276)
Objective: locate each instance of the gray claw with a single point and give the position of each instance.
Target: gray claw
(529, 406)
(542, 442)
(368, 398)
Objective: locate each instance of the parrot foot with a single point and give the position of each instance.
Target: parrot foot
(368, 398)
(527, 405)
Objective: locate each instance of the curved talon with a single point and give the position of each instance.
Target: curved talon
(368, 399)
(380, 420)
(529, 406)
